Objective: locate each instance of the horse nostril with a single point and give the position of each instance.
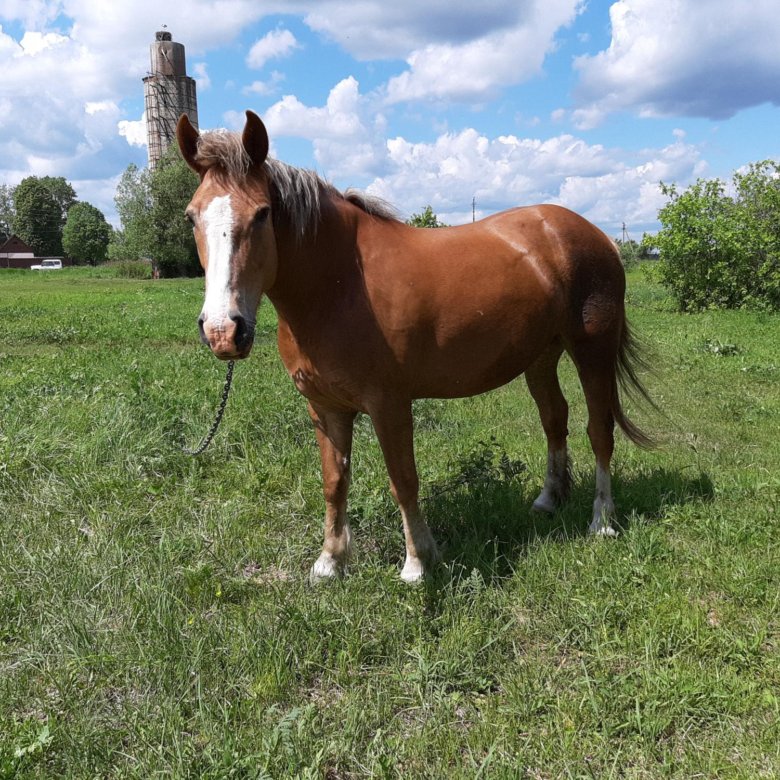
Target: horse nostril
(202, 331)
(243, 336)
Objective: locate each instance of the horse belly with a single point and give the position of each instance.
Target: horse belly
(445, 383)
(479, 358)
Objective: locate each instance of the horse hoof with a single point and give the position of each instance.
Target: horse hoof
(543, 504)
(413, 570)
(326, 567)
(602, 529)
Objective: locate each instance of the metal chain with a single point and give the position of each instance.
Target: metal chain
(218, 419)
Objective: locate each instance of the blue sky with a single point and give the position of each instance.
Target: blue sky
(588, 104)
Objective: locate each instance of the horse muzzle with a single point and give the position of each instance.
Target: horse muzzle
(229, 338)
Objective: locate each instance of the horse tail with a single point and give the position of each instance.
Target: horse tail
(630, 360)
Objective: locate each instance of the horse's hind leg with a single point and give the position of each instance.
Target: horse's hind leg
(596, 366)
(542, 380)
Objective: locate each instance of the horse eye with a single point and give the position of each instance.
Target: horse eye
(262, 215)
(189, 218)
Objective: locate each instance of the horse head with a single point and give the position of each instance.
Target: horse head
(233, 226)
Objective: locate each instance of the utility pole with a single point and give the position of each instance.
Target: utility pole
(628, 251)
(474, 209)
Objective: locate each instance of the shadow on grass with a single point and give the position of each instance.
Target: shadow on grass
(484, 521)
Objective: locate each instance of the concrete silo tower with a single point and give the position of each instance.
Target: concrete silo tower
(168, 93)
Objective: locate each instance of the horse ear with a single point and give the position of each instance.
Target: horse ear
(255, 139)
(187, 137)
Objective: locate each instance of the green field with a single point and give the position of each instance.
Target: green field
(155, 616)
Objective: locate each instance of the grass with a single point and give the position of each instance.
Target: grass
(155, 618)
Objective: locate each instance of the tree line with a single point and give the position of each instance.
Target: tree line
(44, 212)
(718, 246)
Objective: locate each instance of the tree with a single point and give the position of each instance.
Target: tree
(172, 185)
(62, 192)
(758, 197)
(133, 205)
(630, 250)
(721, 250)
(6, 209)
(86, 234)
(37, 217)
(151, 207)
(425, 220)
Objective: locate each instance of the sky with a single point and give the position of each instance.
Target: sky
(489, 104)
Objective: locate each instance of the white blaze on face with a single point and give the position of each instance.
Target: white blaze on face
(218, 227)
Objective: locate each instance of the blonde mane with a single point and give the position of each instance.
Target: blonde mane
(297, 192)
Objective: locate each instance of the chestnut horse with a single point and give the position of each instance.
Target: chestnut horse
(374, 313)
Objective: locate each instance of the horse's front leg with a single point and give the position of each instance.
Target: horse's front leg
(334, 436)
(394, 429)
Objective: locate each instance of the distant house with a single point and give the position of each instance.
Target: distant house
(15, 253)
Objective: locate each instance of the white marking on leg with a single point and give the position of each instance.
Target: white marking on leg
(554, 482)
(218, 227)
(413, 570)
(328, 566)
(603, 507)
(421, 550)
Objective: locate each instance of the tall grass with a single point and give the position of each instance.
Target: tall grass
(155, 618)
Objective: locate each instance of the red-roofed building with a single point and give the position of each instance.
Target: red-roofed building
(15, 253)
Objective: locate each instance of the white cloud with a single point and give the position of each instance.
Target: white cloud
(33, 43)
(605, 185)
(99, 192)
(8, 46)
(60, 98)
(101, 107)
(588, 118)
(64, 82)
(683, 57)
(133, 131)
(265, 88)
(32, 13)
(348, 132)
(381, 30)
(274, 45)
(477, 68)
(71, 61)
(201, 76)
(338, 118)
(631, 194)
(234, 120)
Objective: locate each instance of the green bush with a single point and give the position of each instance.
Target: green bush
(133, 269)
(720, 250)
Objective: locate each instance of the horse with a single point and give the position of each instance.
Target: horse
(374, 313)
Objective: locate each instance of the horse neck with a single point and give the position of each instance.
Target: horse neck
(314, 268)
